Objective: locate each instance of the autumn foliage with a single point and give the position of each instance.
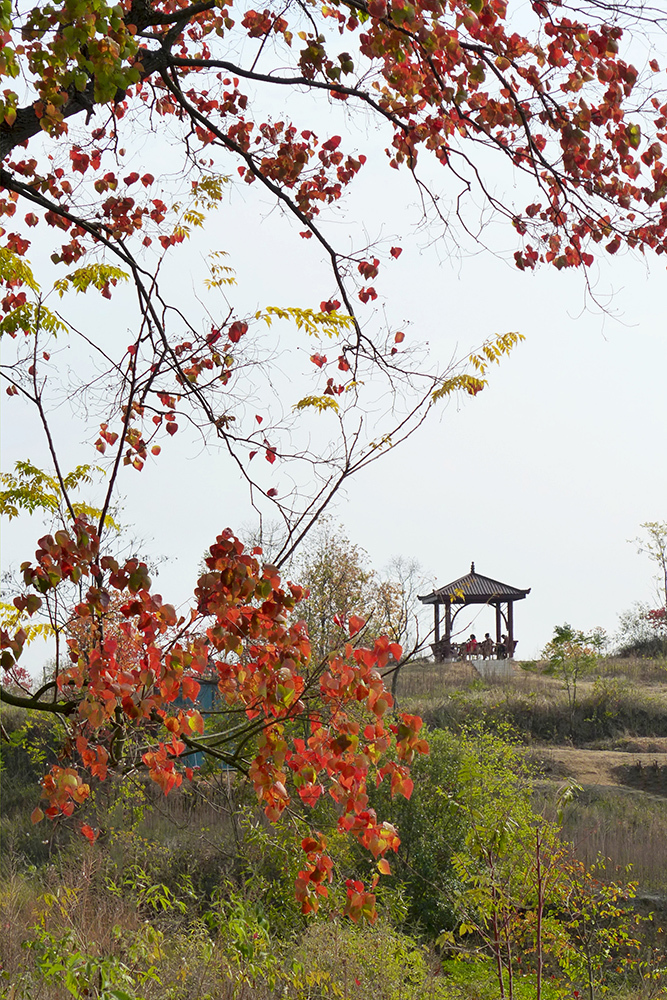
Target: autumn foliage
(244, 631)
(451, 84)
(446, 74)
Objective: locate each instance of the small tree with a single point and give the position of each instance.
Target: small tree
(600, 919)
(509, 869)
(654, 545)
(341, 582)
(397, 600)
(643, 631)
(573, 654)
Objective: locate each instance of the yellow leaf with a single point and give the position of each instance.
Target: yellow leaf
(320, 403)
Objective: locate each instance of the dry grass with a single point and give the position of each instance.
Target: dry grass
(70, 901)
(625, 710)
(626, 826)
(104, 940)
(426, 681)
(609, 706)
(638, 670)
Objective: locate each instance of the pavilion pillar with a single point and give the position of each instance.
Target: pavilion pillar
(499, 623)
(436, 622)
(448, 628)
(510, 626)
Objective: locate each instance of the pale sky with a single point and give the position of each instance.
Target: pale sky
(541, 478)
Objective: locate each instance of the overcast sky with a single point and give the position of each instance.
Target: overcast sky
(541, 479)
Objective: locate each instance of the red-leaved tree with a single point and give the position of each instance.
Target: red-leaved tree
(550, 97)
(85, 84)
(245, 632)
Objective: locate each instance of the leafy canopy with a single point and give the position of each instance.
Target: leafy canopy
(552, 98)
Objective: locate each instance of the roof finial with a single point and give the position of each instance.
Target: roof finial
(472, 568)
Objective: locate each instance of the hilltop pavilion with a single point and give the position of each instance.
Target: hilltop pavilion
(473, 589)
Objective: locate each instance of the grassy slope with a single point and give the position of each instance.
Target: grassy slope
(625, 710)
(614, 744)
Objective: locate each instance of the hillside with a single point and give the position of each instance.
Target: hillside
(191, 896)
(614, 745)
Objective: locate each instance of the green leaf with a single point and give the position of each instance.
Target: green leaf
(98, 276)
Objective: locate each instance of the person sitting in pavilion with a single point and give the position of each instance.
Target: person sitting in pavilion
(486, 647)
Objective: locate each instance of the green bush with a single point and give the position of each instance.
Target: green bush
(364, 963)
(434, 823)
(476, 979)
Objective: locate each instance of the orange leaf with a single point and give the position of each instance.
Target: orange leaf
(355, 624)
(190, 688)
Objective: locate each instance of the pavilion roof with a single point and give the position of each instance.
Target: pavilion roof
(476, 589)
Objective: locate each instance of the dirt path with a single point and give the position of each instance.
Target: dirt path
(646, 769)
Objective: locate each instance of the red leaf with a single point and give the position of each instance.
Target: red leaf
(236, 331)
(259, 419)
(273, 492)
(147, 180)
(172, 427)
(88, 832)
(318, 359)
(355, 624)
(310, 844)
(332, 143)
(399, 338)
(396, 252)
(37, 815)
(190, 688)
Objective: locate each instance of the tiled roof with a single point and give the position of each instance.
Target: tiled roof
(476, 589)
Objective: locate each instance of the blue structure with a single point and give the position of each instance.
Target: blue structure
(207, 701)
